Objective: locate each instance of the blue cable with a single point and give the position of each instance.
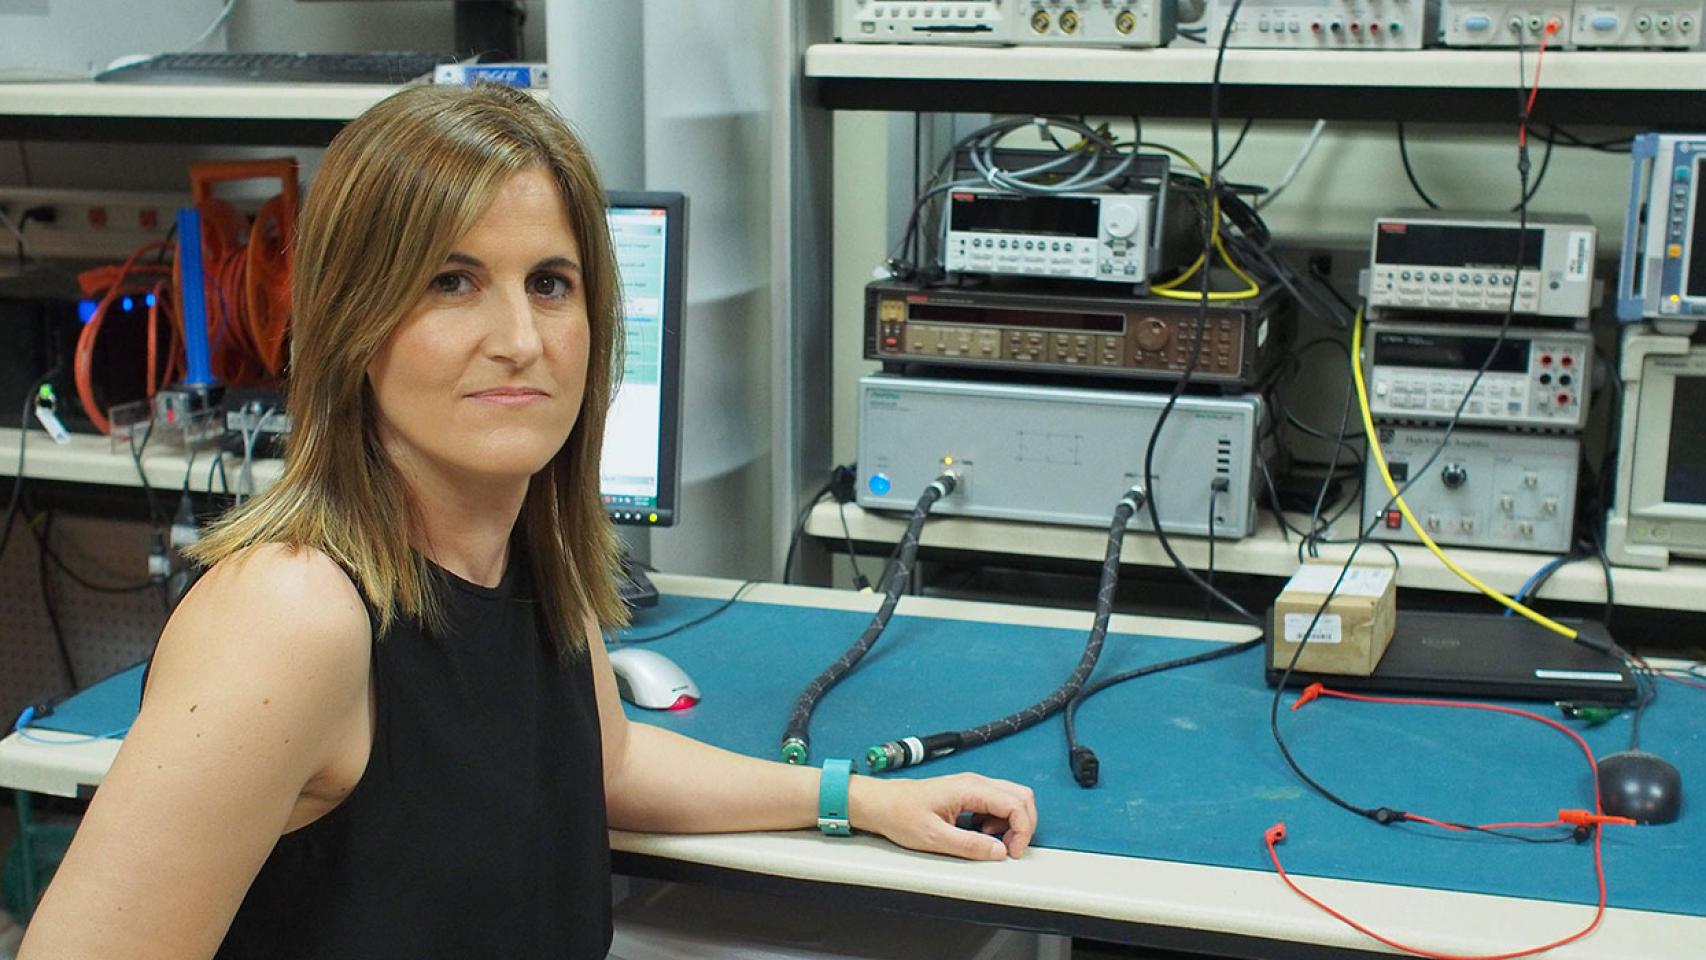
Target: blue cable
(1535, 577)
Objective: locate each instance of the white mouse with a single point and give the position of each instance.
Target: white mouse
(646, 678)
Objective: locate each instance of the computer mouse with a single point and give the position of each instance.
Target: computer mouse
(1640, 786)
(646, 678)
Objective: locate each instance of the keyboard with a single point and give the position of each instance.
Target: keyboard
(391, 68)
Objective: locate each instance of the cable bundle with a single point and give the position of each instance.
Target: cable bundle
(247, 268)
(907, 751)
(796, 739)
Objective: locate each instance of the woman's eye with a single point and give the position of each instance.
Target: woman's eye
(550, 286)
(451, 284)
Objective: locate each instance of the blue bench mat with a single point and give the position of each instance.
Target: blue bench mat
(1190, 772)
(102, 709)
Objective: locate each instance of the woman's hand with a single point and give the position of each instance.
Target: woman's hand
(922, 814)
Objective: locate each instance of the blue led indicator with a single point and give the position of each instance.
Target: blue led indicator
(880, 484)
(151, 300)
(128, 304)
(86, 310)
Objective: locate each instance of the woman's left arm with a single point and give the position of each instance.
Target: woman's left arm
(658, 781)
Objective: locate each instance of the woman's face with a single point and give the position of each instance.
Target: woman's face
(484, 375)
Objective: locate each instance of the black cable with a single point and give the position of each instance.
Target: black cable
(680, 627)
(142, 474)
(1274, 500)
(1243, 132)
(1327, 285)
(1386, 815)
(1085, 767)
(1410, 173)
(859, 581)
(1527, 197)
(42, 580)
(796, 737)
(1315, 526)
(46, 546)
(910, 751)
(1555, 132)
(15, 500)
(1539, 177)
(1213, 501)
(1184, 379)
(799, 529)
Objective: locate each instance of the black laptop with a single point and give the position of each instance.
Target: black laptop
(1486, 656)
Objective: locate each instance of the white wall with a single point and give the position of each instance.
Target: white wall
(707, 133)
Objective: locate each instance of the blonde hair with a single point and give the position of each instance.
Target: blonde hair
(395, 191)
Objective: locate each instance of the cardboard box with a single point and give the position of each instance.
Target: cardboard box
(1353, 631)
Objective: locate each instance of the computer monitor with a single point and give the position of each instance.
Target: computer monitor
(1659, 501)
(488, 29)
(640, 471)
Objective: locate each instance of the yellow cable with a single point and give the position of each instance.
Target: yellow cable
(1404, 508)
(1170, 289)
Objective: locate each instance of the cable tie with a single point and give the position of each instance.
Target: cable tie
(1309, 693)
(1583, 818)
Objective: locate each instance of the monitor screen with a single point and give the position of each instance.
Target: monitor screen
(1685, 467)
(640, 469)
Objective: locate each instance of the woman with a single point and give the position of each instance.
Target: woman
(383, 724)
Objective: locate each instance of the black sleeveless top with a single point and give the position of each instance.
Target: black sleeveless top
(478, 827)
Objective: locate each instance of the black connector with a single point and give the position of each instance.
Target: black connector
(1386, 816)
(1086, 769)
(1220, 484)
(843, 482)
(40, 213)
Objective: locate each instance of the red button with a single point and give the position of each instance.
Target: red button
(1394, 519)
(1546, 359)
(1567, 360)
(1563, 399)
(890, 341)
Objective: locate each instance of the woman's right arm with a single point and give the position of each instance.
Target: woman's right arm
(259, 679)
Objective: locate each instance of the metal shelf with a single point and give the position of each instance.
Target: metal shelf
(91, 459)
(1620, 88)
(260, 113)
(1266, 553)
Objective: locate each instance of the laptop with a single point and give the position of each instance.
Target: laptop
(1486, 656)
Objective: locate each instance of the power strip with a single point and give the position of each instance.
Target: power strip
(86, 224)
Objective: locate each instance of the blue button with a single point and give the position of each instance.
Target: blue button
(1604, 22)
(1683, 173)
(1476, 23)
(880, 484)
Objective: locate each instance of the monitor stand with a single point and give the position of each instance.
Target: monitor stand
(634, 587)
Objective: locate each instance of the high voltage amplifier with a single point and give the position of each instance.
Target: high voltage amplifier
(1058, 454)
(1487, 488)
(912, 326)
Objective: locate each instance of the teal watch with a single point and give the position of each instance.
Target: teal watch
(832, 798)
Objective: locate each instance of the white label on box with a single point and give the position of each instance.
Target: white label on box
(1580, 260)
(1358, 582)
(1327, 629)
